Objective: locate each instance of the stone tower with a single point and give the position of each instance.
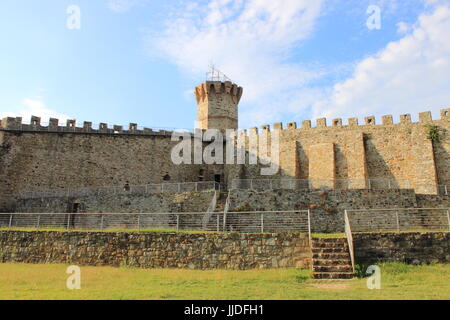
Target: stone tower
(218, 105)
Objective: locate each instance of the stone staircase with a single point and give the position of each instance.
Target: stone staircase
(331, 259)
(209, 220)
(222, 199)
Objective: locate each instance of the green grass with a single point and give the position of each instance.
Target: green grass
(327, 235)
(22, 281)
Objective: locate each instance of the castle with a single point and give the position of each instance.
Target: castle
(52, 157)
(323, 171)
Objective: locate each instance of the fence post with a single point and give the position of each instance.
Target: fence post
(309, 227)
(179, 187)
(68, 222)
(10, 220)
(448, 217)
(398, 222)
(224, 222)
(218, 222)
(446, 190)
(139, 223)
(262, 222)
(101, 223)
(38, 221)
(178, 222)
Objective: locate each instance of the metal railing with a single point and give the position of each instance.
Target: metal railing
(443, 190)
(267, 221)
(393, 220)
(399, 220)
(320, 184)
(210, 210)
(432, 189)
(242, 222)
(126, 189)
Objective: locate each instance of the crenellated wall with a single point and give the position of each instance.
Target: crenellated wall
(40, 159)
(397, 151)
(218, 104)
(35, 157)
(53, 126)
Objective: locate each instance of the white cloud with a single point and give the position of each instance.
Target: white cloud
(35, 107)
(403, 28)
(407, 76)
(250, 41)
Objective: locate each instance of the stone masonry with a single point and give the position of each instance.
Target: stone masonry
(158, 250)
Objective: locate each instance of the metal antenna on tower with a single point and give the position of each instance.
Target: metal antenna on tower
(215, 74)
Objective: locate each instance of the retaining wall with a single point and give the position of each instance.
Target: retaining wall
(409, 248)
(327, 208)
(158, 250)
(123, 203)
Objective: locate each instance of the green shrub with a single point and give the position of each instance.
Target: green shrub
(433, 132)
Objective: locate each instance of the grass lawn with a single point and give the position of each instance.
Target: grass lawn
(25, 281)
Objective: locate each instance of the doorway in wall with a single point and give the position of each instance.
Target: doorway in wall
(218, 180)
(74, 209)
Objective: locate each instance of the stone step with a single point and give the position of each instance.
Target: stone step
(329, 250)
(328, 240)
(330, 244)
(338, 268)
(331, 255)
(331, 262)
(333, 275)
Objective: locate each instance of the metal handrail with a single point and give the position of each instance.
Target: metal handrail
(210, 210)
(348, 234)
(242, 222)
(126, 189)
(318, 184)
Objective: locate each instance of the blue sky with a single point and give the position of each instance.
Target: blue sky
(139, 60)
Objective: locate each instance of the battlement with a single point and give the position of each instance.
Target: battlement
(218, 88)
(387, 120)
(53, 126)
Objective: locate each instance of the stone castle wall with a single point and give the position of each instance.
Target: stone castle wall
(210, 250)
(122, 203)
(158, 250)
(409, 248)
(61, 157)
(327, 208)
(40, 160)
(397, 151)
